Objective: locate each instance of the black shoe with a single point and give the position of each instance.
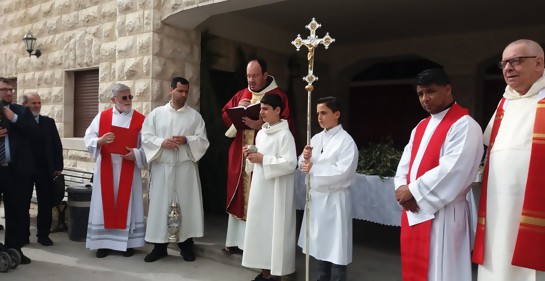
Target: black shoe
(187, 250)
(102, 253)
(24, 259)
(129, 252)
(1, 227)
(159, 251)
(232, 251)
(45, 241)
(260, 277)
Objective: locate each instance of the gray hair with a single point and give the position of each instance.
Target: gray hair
(532, 46)
(116, 88)
(28, 95)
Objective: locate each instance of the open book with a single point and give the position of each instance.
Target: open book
(236, 114)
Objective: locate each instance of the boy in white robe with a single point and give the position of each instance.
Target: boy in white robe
(174, 139)
(331, 159)
(99, 235)
(270, 226)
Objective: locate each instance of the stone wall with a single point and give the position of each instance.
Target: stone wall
(124, 39)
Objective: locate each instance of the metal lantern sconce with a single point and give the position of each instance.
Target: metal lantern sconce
(30, 43)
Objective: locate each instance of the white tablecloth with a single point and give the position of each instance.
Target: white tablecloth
(373, 199)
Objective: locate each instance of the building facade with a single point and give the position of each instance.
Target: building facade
(89, 45)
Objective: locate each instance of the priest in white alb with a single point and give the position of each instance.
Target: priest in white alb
(433, 177)
(331, 160)
(116, 216)
(174, 139)
(269, 242)
(510, 239)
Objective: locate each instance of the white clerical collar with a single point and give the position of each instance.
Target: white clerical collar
(441, 114)
(333, 130)
(270, 86)
(179, 109)
(116, 112)
(267, 125)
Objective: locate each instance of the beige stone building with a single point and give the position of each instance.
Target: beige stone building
(88, 45)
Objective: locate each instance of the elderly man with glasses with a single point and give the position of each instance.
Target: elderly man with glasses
(116, 217)
(510, 239)
(17, 130)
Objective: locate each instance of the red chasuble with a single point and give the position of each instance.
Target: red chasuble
(415, 240)
(235, 191)
(530, 245)
(115, 213)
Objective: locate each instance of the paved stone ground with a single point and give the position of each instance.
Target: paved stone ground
(376, 258)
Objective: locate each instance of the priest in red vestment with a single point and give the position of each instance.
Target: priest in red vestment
(510, 239)
(116, 216)
(238, 182)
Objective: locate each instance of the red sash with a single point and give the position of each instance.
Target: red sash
(115, 213)
(415, 240)
(478, 249)
(530, 245)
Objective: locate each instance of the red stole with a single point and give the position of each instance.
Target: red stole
(115, 213)
(530, 245)
(415, 240)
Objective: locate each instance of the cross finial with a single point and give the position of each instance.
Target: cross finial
(311, 43)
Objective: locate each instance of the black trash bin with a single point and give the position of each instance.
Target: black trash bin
(79, 202)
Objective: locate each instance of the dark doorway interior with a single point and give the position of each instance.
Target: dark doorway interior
(494, 87)
(382, 111)
(383, 102)
(217, 88)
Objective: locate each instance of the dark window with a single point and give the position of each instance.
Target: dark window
(85, 100)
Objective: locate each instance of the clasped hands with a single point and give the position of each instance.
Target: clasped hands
(405, 198)
(253, 157)
(109, 138)
(307, 154)
(174, 142)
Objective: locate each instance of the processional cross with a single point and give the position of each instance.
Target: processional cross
(311, 43)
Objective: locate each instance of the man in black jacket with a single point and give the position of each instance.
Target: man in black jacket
(17, 129)
(48, 163)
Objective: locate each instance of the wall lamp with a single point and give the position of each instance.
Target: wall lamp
(30, 43)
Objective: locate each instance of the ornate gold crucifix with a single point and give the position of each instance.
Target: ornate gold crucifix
(311, 43)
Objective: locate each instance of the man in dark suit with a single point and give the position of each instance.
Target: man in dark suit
(48, 162)
(17, 129)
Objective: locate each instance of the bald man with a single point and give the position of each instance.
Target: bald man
(48, 163)
(510, 239)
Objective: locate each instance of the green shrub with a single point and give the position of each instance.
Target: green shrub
(379, 159)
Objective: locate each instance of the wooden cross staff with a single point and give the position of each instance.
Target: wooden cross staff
(311, 43)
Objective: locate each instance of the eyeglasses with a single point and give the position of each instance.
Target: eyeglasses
(254, 76)
(126, 97)
(5, 90)
(514, 61)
